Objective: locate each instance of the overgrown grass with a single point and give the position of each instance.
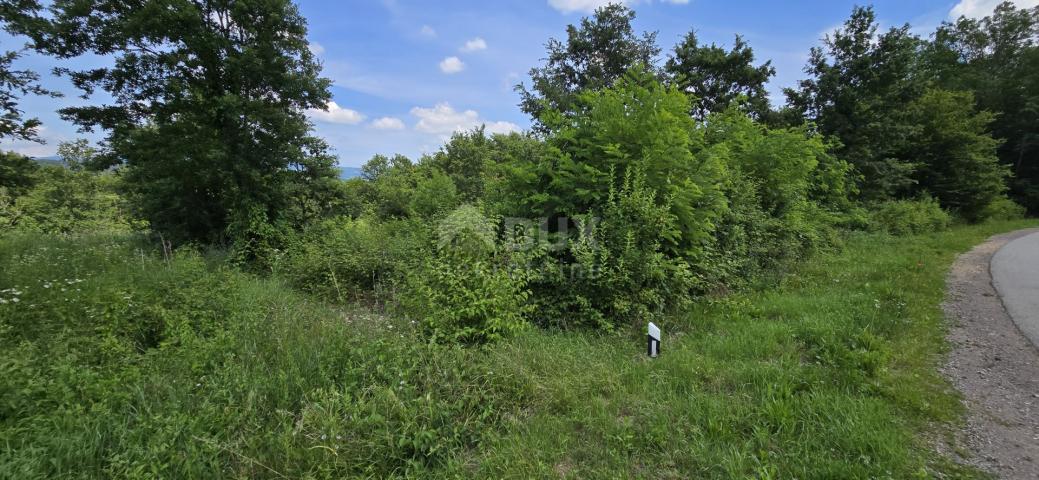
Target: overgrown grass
(116, 363)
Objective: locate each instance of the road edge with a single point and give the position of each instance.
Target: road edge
(993, 366)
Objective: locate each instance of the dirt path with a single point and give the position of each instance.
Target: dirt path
(995, 367)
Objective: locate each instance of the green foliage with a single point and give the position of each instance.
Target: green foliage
(715, 78)
(17, 173)
(345, 259)
(1002, 208)
(786, 194)
(118, 364)
(78, 155)
(617, 271)
(467, 291)
(206, 110)
(398, 188)
(464, 158)
(996, 57)
(909, 217)
(62, 201)
(598, 52)
(637, 124)
(957, 155)
(860, 83)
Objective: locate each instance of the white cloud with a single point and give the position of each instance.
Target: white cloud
(589, 6)
(451, 65)
(501, 127)
(982, 8)
(474, 45)
(316, 48)
(427, 31)
(388, 123)
(442, 119)
(336, 114)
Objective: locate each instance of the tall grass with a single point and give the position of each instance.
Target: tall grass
(117, 363)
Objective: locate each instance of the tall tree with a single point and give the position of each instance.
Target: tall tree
(596, 53)
(956, 151)
(997, 57)
(208, 101)
(859, 84)
(717, 77)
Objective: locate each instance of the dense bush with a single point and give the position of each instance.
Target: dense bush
(345, 259)
(62, 201)
(786, 193)
(616, 270)
(907, 217)
(1002, 208)
(467, 291)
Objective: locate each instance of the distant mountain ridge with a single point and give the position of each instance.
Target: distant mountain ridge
(345, 173)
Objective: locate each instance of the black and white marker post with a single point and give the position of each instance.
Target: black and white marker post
(653, 340)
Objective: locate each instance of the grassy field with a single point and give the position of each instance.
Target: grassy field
(117, 363)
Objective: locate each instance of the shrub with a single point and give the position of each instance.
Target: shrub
(467, 291)
(1002, 209)
(60, 201)
(343, 259)
(907, 217)
(615, 270)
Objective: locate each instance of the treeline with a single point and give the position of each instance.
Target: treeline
(647, 179)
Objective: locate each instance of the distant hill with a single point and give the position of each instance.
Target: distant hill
(349, 172)
(51, 160)
(345, 173)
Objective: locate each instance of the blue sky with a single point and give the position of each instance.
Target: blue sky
(407, 73)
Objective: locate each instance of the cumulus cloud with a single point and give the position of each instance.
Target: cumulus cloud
(336, 114)
(442, 119)
(588, 6)
(451, 65)
(427, 31)
(474, 45)
(388, 123)
(982, 8)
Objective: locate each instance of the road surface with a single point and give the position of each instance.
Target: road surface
(1015, 274)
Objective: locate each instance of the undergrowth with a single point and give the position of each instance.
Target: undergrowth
(118, 363)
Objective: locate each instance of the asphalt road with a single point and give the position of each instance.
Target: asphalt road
(1015, 274)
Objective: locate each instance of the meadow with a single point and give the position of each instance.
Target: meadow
(119, 361)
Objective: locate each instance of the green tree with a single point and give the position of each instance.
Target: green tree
(208, 102)
(78, 154)
(956, 152)
(859, 84)
(637, 123)
(17, 173)
(464, 159)
(596, 53)
(997, 58)
(716, 77)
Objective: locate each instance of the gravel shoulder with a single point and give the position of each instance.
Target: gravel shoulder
(994, 366)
